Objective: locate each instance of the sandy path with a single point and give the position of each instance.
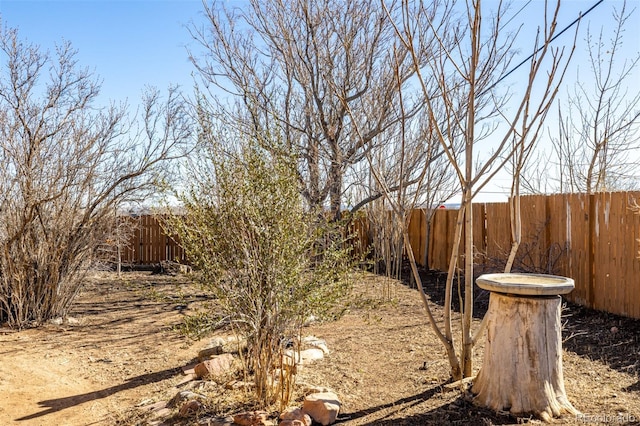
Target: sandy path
(121, 351)
(42, 385)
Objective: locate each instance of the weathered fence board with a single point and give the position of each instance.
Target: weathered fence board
(615, 265)
(498, 231)
(441, 242)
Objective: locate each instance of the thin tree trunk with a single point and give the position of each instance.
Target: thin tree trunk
(467, 313)
(456, 372)
(447, 342)
(516, 230)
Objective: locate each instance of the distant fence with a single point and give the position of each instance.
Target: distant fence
(592, 239)
(149, 244)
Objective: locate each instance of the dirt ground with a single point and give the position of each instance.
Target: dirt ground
(120, 350)
(117, 348)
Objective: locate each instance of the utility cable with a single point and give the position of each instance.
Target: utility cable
(580, 16)
(515, 15)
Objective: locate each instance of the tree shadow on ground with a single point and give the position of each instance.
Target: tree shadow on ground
(600, 336)
(434, 285)
(58, 404)
(145, 300)
(633, 388)
(459, 411)
(402, 403)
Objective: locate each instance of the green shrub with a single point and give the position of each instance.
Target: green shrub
(268, 261)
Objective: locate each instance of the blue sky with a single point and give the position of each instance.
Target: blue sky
(134, 43)
(128, 43)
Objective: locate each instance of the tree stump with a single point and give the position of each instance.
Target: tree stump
(522, 368)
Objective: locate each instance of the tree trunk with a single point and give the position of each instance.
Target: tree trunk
(522, 367)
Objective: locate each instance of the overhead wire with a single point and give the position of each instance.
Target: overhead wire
(515, 15)
(580, 16)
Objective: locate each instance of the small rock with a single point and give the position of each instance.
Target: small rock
(252, 418)
(314, 342)
(308, 389)
(309, 355)
(202, 386)
(144, 402)
(236, 344)
(183, 396)
(73, 321)
(215, 347)
(214, 367)
(173, 268)
(57, 321)
(294, 415)
(614, 330)
(190, 407)
(322, 407)
(217, 341)
(207, 353)
(291, 357)
(292, 423)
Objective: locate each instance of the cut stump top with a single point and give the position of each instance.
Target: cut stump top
(526, 284)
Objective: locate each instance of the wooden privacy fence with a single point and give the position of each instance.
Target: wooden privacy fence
(149, 244)
(590, 238)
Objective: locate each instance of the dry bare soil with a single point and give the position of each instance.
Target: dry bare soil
(121, 350)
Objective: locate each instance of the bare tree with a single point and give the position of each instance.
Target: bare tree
(298, 66)
(462, 78)
(410, 171)
(523, 147)
(119, 239)
(65, 164)
(598, 137)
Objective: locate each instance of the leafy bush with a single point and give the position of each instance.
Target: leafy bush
(269, 261)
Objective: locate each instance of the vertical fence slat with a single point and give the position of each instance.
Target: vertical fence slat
(498, 231)
(557, 234)
(633, 267)
(424, 235)
(579, 249)
(604, 266)
(479, 233)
